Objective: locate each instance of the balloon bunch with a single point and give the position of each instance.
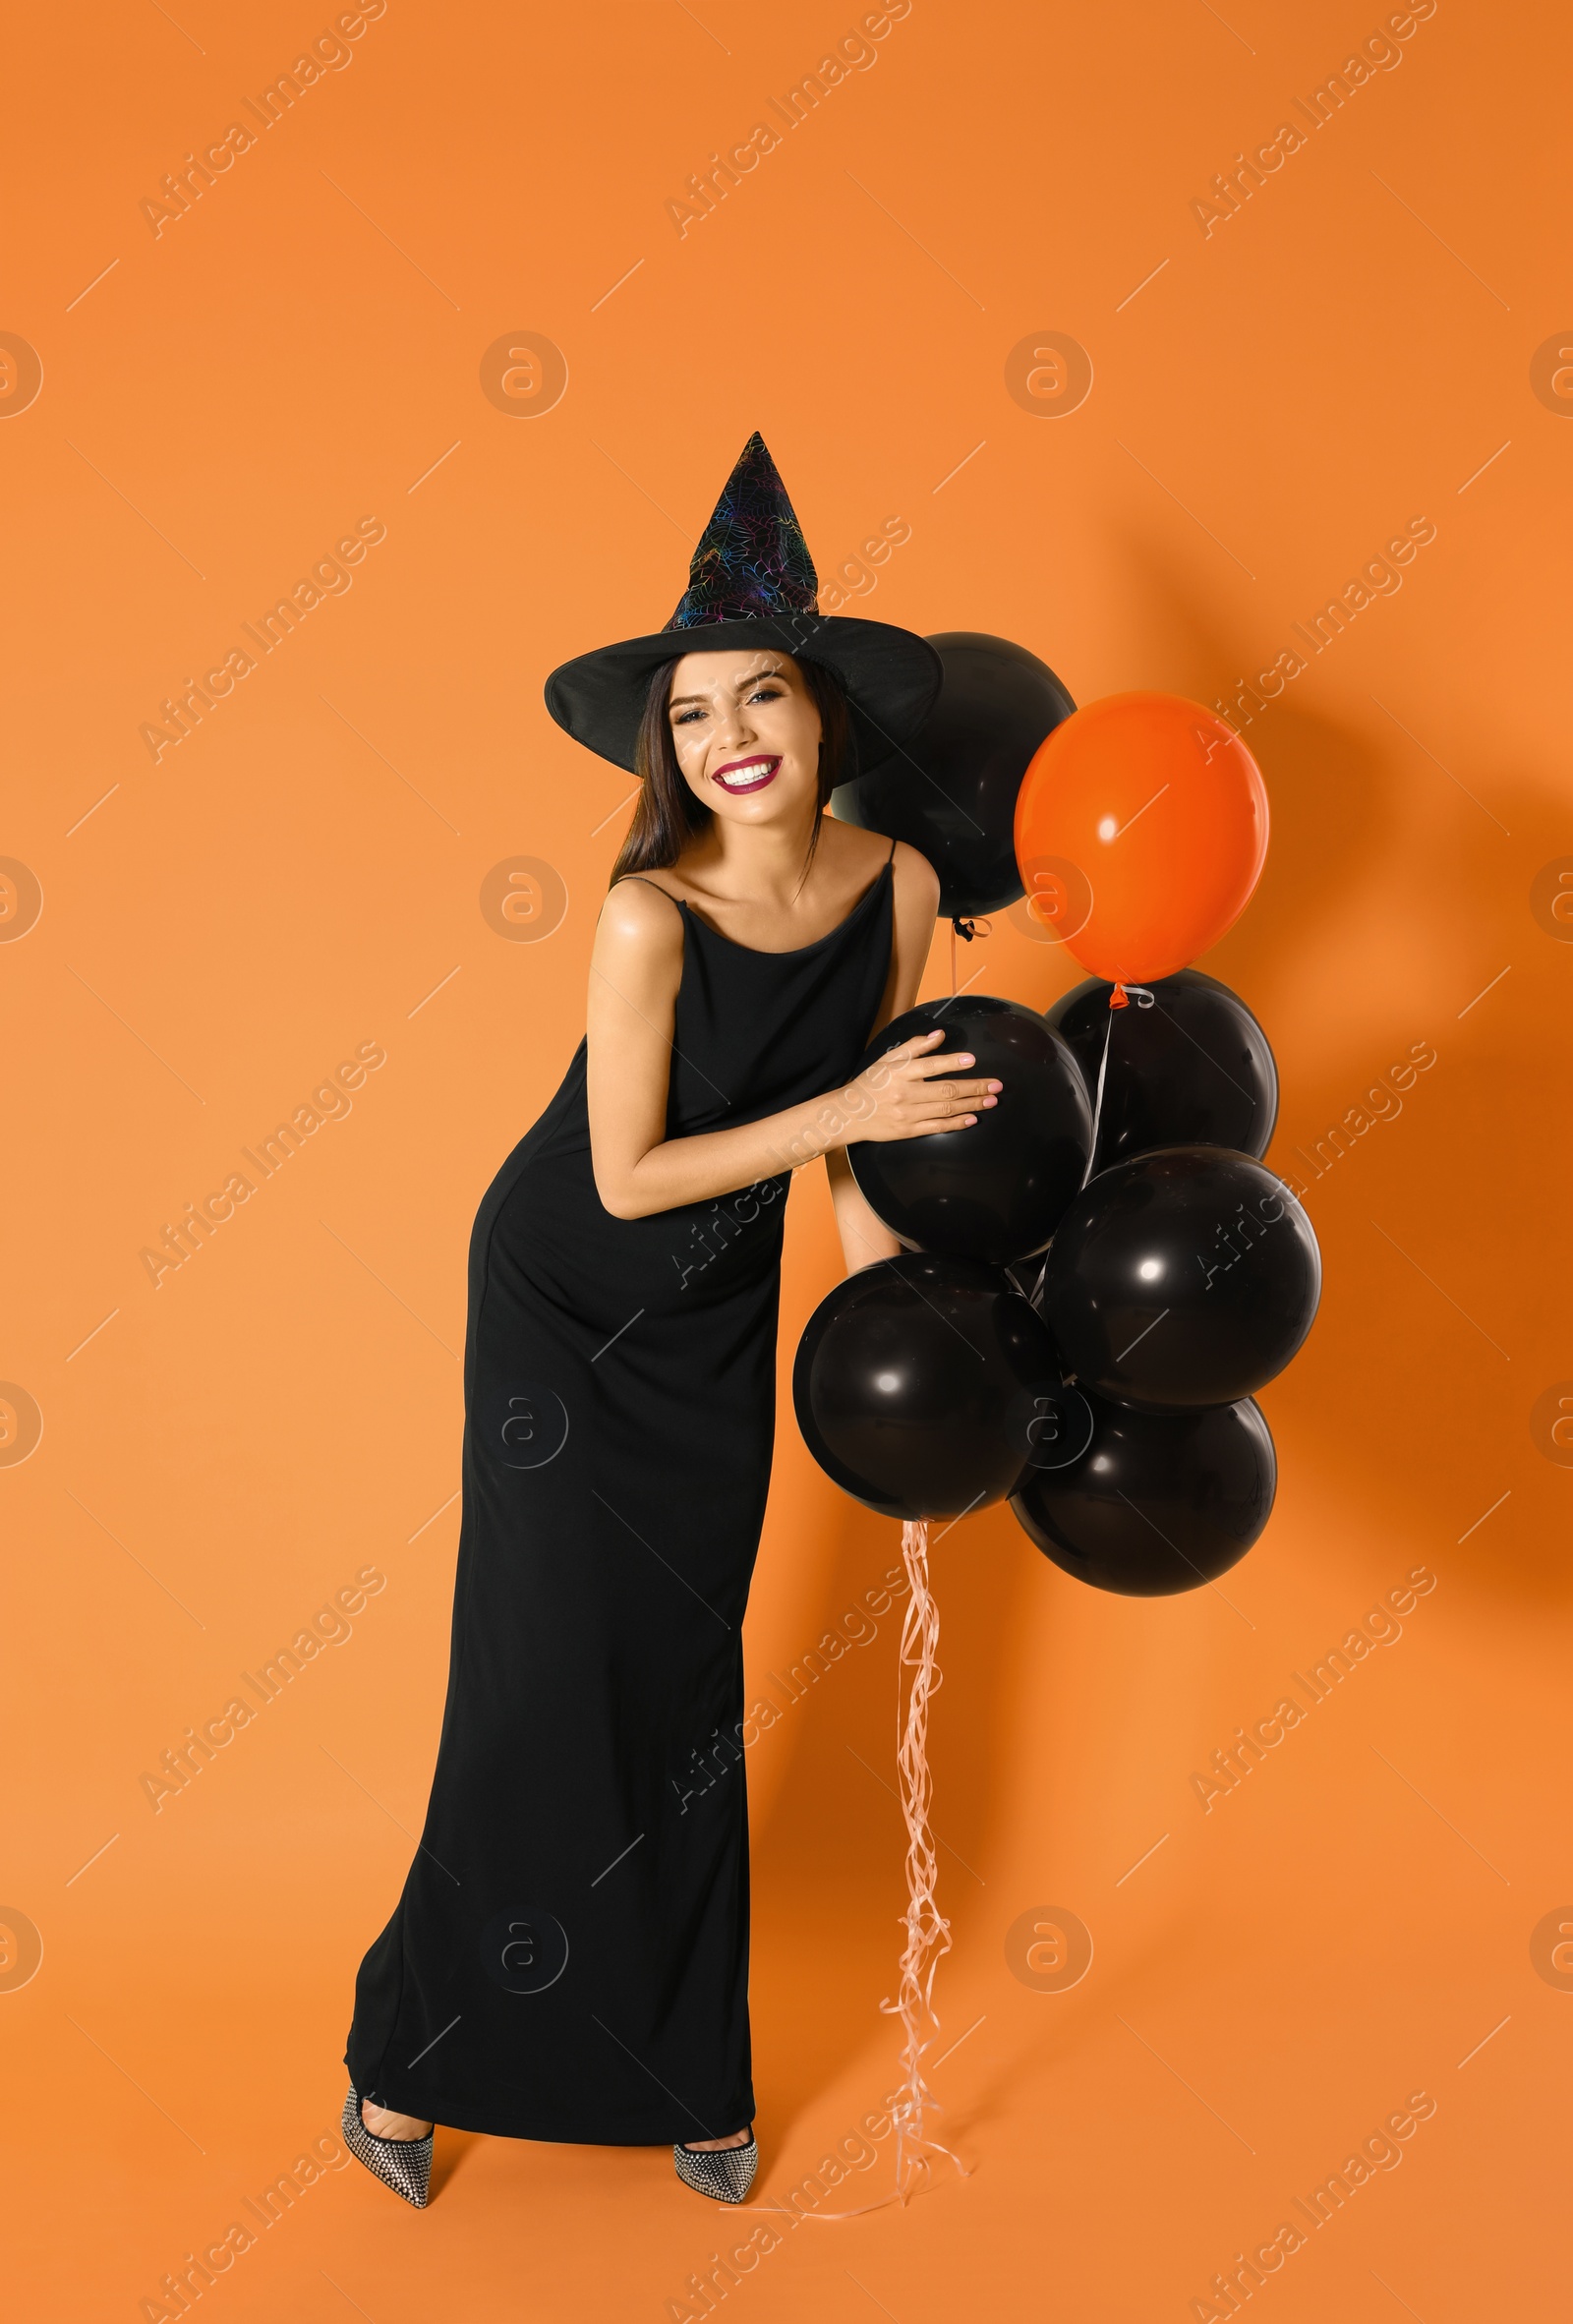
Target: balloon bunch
(1100, 1273)
(1098, 1276)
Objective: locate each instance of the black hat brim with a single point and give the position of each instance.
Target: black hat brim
(892, 677)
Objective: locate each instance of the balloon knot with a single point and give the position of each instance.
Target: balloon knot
(1117, 998)
(966, 929)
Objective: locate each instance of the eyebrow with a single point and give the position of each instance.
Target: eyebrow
(752, 681)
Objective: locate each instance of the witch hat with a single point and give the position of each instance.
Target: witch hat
(752, 583)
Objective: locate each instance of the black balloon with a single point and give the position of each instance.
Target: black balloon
(1158, 1502)
(1190, 1068)
(998, 1191)
(918, 1384)
(1184, 1277)
(951, 792)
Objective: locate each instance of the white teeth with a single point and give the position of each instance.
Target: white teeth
(744, 775)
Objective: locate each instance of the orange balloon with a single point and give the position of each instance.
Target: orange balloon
(1141, 830)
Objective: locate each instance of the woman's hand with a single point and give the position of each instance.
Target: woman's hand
(898, 1095)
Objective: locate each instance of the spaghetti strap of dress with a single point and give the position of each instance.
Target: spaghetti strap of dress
(644, 883)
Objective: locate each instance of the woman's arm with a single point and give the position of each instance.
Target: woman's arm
(865, 1237)
(635, 972)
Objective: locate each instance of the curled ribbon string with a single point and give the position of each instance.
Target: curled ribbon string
(928, 1933)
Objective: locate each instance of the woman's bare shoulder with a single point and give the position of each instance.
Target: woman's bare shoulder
(917, 885)
(640, 912)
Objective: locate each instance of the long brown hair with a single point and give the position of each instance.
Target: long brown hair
(668, 815)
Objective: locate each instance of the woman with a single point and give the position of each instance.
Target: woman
(570, 1957)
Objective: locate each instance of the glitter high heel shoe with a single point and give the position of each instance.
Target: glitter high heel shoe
(725, 2173)
(403, 2164)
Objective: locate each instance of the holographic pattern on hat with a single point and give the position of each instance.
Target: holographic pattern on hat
(752, 558)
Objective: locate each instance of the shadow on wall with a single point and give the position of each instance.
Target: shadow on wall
(1416, 1194)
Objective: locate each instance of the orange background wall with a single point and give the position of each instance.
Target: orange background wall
(1365, 1917)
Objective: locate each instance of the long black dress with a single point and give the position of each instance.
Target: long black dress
(570, 1958)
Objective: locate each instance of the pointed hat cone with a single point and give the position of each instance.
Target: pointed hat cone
(753, 557)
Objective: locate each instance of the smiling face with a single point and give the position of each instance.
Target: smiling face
(746, 734)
